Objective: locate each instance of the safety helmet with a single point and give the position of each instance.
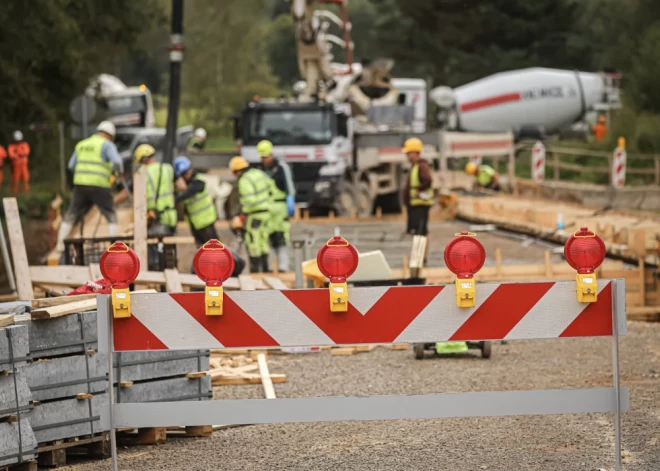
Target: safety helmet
(238, 163)
(471, 168)
(181, 165)
(143, 151)
(107, 127)
(412, 145)
(201, 133)
(264, 148)
(18, 136)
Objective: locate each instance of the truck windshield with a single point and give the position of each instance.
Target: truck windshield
(288, 127)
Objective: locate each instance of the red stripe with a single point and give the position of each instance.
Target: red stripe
(493, 101)
(295, 156)
(539, 164)
(500, 313)
(595, 320)
(383, 323)
(131, 334)
(479, 145)
(389, 150)
(620, 168)
(233, 329)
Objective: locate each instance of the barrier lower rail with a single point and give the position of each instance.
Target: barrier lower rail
(384, 315)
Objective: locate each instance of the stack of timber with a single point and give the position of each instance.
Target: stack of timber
(630, 235)
(18, 445)
(229, 369)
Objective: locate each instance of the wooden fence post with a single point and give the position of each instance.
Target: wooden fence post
(555, 164)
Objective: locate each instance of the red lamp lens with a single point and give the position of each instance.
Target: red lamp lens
(119, 265)
(337, 260)
(213, 263)
(584, 251)
(465, 256)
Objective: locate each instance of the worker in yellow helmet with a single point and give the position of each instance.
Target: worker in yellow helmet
(417, 191)
(253, 213)
(283, 191)
(486, 176)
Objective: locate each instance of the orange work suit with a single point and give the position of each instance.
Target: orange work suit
(600, 131)
(3, 156)
(18, 156)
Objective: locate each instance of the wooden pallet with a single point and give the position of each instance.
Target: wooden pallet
(26, 466)
(159, 435)
(56, 453)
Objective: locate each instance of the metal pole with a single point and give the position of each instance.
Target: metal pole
(84, 118)
(6, 259)
(176, 57)
(60, 131)
(111, 388)
(616, 380)
(298, 247)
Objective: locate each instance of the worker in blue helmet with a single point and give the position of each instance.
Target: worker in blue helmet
(198, 206)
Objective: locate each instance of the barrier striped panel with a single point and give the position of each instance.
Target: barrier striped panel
(410, 314)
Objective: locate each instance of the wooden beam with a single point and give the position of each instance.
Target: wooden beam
(59, 275)
(172, 281)
(18, 251)
(140, 219)
(269, 390)
(275, 283)
(6, 319)
(63, 310)
(246, 282)
(48, 302)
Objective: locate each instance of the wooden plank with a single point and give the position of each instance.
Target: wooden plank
(63, 310)
(247, 283)
(275, 283)
(6, 319)
(198, 374)
(126, 384)
(237, 381)
(140, 219)
(59, 275)
(269, 390)
(172, 281)
(83, 396)
(343, 351)
(47, 302)
(18, 251)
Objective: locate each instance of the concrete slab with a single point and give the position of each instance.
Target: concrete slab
(63, 377)
(67, 419)
(140, 366)
(8, 392)
(10, 445)
(62, 335)
(19, 346)
(176, 389)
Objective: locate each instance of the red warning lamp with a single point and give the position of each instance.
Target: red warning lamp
(120, 265)
(585, 251)
(338, 260)
(213, 264)
(464, 256)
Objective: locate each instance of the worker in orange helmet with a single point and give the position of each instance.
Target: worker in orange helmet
(418, 194)
(19, 151)
(600, 128)
(3, 156)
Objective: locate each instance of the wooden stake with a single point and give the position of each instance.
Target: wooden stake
(379, 212)
(642, 281)
(498, 262)
(269, 390)
(405, 271)
(331, 215)
(18, 251)
(140, 219)
(548, 264)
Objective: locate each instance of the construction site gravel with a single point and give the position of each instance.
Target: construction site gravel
(548, 443)
(565, 442)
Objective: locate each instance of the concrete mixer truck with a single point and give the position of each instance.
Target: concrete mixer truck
(530, 102)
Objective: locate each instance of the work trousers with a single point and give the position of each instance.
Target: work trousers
(20, 173)
(257, 233)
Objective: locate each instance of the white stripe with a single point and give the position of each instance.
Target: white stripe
(552, 314)
(171, 323)
(278, 316)
(441, 318)
(363, 299)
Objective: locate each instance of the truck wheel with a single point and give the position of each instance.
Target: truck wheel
(418, 350)
(365, 202)
(389, 203)
(485, 349)
(345, 200)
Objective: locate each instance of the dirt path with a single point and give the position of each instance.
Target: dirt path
(548, 443)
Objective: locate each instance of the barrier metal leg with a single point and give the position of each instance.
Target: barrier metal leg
(616, 380)
(111, 388)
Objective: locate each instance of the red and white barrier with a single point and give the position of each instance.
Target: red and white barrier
(619, 167)
(538, 162)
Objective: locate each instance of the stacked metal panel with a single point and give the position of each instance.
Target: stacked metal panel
(17, 439)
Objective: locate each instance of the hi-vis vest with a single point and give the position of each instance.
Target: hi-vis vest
(486, 175)
(160, 180)
(91, 169)
(254, 191)
(417, 198)
(200, 209)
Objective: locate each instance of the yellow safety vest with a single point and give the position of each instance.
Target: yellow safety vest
(91, 169)
(425, 198)
(200, 209)
(160, 180)
(254, 190)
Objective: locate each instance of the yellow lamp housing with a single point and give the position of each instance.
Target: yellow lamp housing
(121, 302)
(587, 288)
(338, 297)
(466, 292)
(213, 297)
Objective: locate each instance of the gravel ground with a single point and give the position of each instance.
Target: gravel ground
(567, 442)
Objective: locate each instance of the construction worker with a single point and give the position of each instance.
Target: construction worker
(93, 163)
(600, 128)
(3, 156)
(253, 212)
(283, 192)
(417, 191)
(161, 209)
(19, 151)
(486, 176)
(198, 140)
(198, 206)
